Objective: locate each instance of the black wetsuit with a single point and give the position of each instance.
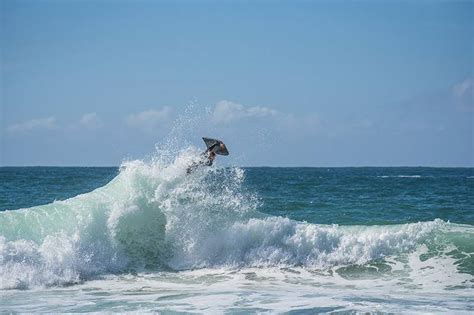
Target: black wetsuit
(205, 160)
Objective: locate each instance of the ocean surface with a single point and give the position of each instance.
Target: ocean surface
(148, 237)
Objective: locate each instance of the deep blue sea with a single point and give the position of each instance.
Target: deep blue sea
(148, 237)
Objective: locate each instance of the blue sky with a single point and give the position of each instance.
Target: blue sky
(282, 83)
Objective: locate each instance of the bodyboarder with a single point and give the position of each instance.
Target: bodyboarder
(214, 147)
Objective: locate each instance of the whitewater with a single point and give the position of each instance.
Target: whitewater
(157, 239)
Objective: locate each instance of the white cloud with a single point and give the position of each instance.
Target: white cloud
(149, 119)
(464, 94)
(227, 111)
(464, 87)
(91, 121)
(33, 124)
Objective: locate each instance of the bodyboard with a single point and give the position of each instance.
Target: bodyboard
(221, 148)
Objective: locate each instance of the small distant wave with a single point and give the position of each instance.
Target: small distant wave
(400, 176)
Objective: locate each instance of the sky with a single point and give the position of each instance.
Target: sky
(282, 83)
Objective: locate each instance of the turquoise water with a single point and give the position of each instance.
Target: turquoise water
(148, 237)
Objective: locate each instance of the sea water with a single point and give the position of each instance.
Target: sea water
(148, 237)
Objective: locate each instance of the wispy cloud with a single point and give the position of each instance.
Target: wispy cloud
(464, 94)
(33, 124)
(150, 119)
(227, 111)
(463, 88)
(90, 121)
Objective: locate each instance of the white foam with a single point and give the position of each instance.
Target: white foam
(399, 176)
(269, 290)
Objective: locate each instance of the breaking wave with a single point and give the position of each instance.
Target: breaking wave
(153, 216)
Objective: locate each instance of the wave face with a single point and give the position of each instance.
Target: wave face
(153, 216)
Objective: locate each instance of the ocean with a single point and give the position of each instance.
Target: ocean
(148, 237)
